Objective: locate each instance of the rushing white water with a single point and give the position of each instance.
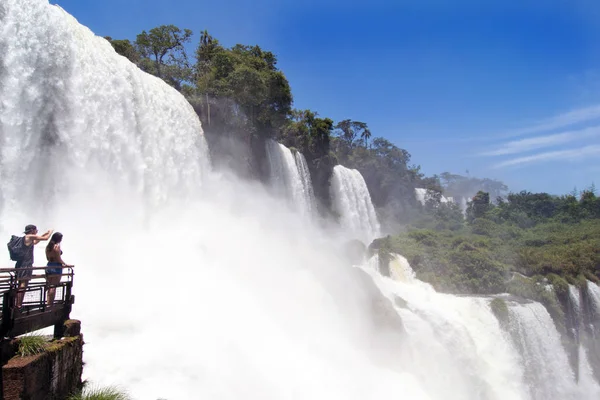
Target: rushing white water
(192, 284)
(307, 187)
(574, 297)
(546, 364)
(467, 356)
(290, 177)
(591, 326)
(352, 202)
(594, 295)
(530, 346)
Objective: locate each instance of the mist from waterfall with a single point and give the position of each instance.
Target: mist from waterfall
(191, 283)
(351, 201)
(290, 178)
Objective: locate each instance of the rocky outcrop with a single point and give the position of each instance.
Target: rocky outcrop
(51, 375)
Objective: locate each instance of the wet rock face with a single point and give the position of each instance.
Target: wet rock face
(384, 316)
(386, 333)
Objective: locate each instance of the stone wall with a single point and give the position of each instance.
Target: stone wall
(51, 375)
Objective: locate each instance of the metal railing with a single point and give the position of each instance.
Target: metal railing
(25, 305)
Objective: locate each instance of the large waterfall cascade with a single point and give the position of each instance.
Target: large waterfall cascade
(262, 304)
(352, 202)
(290, 177)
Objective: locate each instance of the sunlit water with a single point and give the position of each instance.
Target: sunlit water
(351, 202)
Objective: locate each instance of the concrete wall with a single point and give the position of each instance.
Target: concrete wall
(51, 375)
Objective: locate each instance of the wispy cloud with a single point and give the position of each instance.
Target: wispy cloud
(539, 142)
(571, 154)
(560, 121)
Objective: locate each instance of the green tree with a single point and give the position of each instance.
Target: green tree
(258, 95)
(349, 130)
(478, 206)
(164, 47)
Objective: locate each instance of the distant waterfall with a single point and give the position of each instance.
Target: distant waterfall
(290, 177)
(352, 202)
(482, 358)
(422, 195)
(307, 187)
(590, 320)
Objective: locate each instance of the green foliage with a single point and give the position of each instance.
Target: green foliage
(477, 257)
(259, 94)
(479, 206)
(165, 45)
(104, 393)
(31, 344)
(476, 271)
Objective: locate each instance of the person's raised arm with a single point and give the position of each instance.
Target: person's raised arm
(37, 238)
(45, 236)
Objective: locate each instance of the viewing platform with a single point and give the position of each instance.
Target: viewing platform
(34, 312)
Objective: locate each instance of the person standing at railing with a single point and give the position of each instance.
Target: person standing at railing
(55, 264)
(30, 239)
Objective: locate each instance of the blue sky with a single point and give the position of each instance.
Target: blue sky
(505, 91)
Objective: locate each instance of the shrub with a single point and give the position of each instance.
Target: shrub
(31, 344)
(478, 272)
(104, 393)
(483, 226)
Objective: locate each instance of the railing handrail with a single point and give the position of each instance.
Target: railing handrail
(13, 269)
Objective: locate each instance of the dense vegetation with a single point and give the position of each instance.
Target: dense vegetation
(547, 238)
(243, 99)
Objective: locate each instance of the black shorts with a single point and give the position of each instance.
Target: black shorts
(26, 274)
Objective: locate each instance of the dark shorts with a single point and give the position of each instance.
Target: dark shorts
(23, 274)
(57, 270)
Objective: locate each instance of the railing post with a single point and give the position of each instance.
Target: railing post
(8, 304)
(68, 301)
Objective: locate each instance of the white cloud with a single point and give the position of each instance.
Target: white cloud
(523, 145)
(572, 154)
(561, 121)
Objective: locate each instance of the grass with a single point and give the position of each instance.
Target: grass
(103, 393)
(31, 344)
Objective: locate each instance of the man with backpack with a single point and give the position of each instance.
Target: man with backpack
(21, 251)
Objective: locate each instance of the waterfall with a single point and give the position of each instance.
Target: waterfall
(191, 283)
(591, 325)
(352, 202)
(546, 363)
(478, 355)
(307, 187)
(70, 105)
(290, 177)
(421, 195)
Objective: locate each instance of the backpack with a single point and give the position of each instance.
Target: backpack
(16, 248)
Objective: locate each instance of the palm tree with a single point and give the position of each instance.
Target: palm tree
(365, 136)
